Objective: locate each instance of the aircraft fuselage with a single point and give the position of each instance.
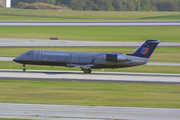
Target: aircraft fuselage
(89, 60)
(64, 58)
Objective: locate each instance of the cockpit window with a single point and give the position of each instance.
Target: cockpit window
(26, 53)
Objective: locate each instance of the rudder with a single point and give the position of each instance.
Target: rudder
(146, 49)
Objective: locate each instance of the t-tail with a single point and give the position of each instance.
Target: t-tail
(146, 49)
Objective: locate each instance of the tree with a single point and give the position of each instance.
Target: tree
(89, 5)
(50, 2)
(145, 5)
(178, 3)
(131, 6)
(118, 5)
(77, 4)
(170, 6)
(66, 2)
(104, 4)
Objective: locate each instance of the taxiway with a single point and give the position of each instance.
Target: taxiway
(89, 23)
(73, 112)
(18, 42)
(45, 75)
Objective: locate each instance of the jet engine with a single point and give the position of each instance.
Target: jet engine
(115, 58)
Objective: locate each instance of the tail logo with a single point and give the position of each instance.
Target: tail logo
(144, 50)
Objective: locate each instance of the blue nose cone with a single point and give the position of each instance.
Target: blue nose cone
(15, 59)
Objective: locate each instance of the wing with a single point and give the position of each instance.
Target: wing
(84, 66)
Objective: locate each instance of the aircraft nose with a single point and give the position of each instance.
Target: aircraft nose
(15, 59)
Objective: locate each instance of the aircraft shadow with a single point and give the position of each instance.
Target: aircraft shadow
(93, 73)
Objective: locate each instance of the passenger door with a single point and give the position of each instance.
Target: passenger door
(37, 56)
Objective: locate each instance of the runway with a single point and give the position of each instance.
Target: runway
(79, 76)
(17, 42)
(72, 112)
(163, 63)
(6, 58)
(89, 23)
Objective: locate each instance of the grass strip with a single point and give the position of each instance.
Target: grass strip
(108, 33)
(55, 15)
(90, 93)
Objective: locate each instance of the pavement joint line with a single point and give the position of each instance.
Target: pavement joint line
(52, 72)
(89, 80)
(133, 113)
(39, 116)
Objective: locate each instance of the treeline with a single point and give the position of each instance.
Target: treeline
(112, 5)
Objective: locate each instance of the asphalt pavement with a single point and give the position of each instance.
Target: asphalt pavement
(89, 23)
(19, 42)
(127, 77)
(73, 112)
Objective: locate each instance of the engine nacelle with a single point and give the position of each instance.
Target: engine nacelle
(115, 58)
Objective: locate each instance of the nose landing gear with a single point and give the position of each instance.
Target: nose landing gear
(24, 70)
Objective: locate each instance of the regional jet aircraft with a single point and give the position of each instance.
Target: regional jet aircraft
(88, 60)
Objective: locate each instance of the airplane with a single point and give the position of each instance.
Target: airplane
(88, 60)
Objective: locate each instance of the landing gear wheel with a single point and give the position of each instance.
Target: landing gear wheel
(24, 70)
(87, 71)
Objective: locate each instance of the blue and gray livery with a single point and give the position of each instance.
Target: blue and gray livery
(88, 60)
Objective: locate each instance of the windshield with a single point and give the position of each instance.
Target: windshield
(26, 53)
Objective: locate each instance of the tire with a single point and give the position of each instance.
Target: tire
(87, 71)
(24, 70)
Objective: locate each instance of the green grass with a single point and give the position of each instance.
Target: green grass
(90, 93)
(55, 15)
(161, 54)
(116, 33)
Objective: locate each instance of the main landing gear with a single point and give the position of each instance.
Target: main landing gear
(24, 70)
(86, 71)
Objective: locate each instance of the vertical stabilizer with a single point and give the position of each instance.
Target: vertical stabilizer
(146, 49)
